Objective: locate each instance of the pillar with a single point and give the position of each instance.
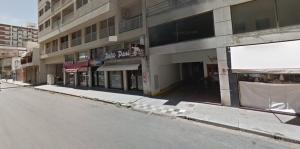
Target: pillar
(90, 76)
(65, 77)
(105, 79)
(76, 79)
(125, 81)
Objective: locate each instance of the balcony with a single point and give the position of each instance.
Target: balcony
(131, 24)
(64, 45)
(76, 42)
(90, 37)
(55, 5)
(168, 5)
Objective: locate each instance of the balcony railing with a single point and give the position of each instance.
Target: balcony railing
(91, 37)
(54, 48)
(55, 6)
(68, 18)
(76, 41)
(64, 45)
(48, 50)
(131, 24)
(167, 5)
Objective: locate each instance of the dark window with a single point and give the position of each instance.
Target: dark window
(47, 23)
(64, 42)
(47, 7)
(191, 28)
(97, 54)
(41, 12)
(254, 15)
(288, 12)
(80, 3)
(107, 28)
(90, 33)
(76, 38)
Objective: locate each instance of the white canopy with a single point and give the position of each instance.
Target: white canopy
(118, 67)
(280, 58)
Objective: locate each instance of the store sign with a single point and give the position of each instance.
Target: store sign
(77, 65)
(134, 51)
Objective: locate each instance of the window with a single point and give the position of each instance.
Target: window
(288, 12)
(107, 28)
(54, 45)
(48, 48)
(254, 15)
(83, 56)
(41, 27)
(80, 3)
(76, 38)
(97, 54)
(69, 58)
(91, 33)
(47, 23)
(191, 28)
(41, 12)
(47, 7)
(64, 42)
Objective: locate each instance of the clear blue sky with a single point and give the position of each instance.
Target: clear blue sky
(18, 12)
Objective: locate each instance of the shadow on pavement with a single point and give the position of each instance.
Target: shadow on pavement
(295, 121)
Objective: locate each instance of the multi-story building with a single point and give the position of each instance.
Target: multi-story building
(94, 43)
(244, 45)
(16, 36)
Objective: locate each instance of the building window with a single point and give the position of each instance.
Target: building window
(191, 28)
(54, 45)
(76, 38)
(80, 3)
(253, 16)
(41, 12)
(48, 48)
(47, 23)
(288, 12)
(41, 27)
(97, 53)
(82, 56)
(91, 33)
(47, 7)
(69, 58)
(64, 42)
(107, 28)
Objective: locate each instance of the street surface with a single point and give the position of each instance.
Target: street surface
(31, 119)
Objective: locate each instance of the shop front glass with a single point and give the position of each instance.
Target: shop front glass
(70, 79)
(83, 79)
(115, 79)
(135, 80)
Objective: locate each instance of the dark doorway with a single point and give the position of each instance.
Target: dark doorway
(193, 73)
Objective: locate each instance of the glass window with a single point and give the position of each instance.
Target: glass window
(69, 58)
(288, 12)
(83, 56)
(97, 53)
(80, 3)
(163, 34)
(254, 15)
(76, 38)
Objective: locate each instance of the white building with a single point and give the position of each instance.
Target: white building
(189, 39)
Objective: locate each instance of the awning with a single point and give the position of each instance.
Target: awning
(280, 58)
(119, 67)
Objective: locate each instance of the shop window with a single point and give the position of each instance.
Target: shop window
(253, 15)
(83, 56)
(191, 28)
(116, 79)
(288, 12)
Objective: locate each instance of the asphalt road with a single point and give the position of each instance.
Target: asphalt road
(31, 119)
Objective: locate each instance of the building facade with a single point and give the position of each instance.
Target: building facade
(94, 43)
(163, 47)
(192, 42)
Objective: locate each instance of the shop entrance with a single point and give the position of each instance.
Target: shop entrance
(135, 80)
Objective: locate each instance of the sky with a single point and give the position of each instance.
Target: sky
(18, 12)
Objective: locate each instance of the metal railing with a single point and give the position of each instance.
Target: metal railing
(64, 45)
(91, 37)
(67, 18)
(76, 42)
(131, 24)
(167, 5)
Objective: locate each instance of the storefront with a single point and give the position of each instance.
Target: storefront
(123, 68)
(76, 74)
(267, 76)
(97, 57)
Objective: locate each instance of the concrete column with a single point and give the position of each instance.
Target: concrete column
(105, 79)
(76, 79)
(90, 76)
(69, 40)
(65, 77)
(125, 81)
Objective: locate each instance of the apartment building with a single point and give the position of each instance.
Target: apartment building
(16, 36)
(94, 43)
(241, 53)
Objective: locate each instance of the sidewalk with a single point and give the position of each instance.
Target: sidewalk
(10, 81)
(267, 124)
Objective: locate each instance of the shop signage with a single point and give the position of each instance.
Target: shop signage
(134, 51)
(76, 65)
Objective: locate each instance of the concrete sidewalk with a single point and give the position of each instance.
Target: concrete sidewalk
(278, 126)
(10, 81)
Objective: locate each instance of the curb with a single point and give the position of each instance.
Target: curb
(273, 136)
(129, 106)
(17, 84)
